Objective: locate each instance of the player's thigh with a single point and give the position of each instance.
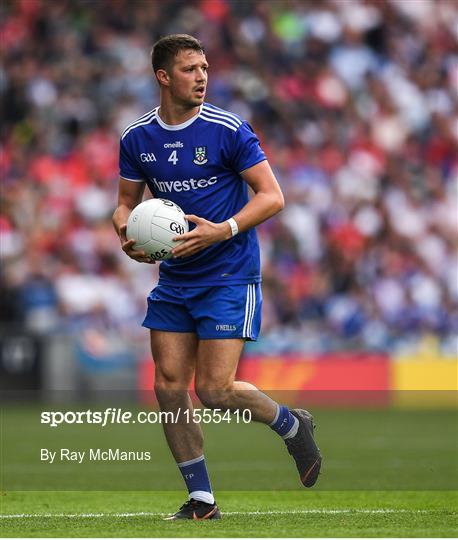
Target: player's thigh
(175, 356)
(217, 361)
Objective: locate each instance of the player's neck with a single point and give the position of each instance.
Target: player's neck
(174, 114)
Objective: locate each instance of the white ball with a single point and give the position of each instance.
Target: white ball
(153, 224)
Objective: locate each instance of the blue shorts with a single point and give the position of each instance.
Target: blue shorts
(229, 311)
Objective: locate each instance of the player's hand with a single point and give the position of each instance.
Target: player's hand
(205, 234)
(128, 248)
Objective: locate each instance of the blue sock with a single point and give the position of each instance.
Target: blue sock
(285, 424)
(196, 478)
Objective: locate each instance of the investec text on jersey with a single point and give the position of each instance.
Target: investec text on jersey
(185, 185)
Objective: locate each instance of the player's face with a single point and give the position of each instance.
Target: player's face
(188, 78)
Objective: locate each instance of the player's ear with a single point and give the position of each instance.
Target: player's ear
(163, 77)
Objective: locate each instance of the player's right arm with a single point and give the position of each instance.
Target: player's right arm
(129, 195)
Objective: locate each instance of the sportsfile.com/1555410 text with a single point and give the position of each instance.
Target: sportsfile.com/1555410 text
(114, 415)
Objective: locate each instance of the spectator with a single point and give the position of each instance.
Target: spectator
(357, 106)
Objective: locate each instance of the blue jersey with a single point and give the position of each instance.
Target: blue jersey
(197, 165)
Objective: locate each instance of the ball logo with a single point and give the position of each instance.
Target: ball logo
(176, 227)
(158, 255)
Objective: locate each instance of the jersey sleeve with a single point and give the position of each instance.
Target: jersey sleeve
(128, 169)
(247, 150)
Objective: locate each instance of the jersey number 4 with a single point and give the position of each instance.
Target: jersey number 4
(173, 157)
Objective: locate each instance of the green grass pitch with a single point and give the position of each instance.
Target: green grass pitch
(245, 514)
(386, 473)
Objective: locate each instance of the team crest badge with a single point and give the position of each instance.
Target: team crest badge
(200, 155)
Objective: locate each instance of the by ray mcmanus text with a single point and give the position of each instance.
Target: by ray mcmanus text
(64, 455)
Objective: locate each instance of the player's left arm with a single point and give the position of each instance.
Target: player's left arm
(267, 201)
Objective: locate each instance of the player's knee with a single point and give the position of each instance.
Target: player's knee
(214, 396)
(169, 383)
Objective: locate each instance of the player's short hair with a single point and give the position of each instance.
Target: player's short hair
(166, 49)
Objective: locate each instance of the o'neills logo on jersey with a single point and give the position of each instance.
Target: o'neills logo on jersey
(176, 144)
(184, 185)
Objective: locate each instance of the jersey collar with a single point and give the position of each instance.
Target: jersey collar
(176, 127)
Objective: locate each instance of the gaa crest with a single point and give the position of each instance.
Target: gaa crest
(200, 155)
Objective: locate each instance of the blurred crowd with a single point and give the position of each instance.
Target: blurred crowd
(356, 106)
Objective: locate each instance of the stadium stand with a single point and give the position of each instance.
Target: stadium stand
(357, 107)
